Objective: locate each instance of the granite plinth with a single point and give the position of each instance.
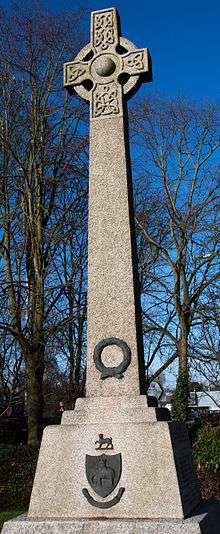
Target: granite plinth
(157, 471)
(205, 520)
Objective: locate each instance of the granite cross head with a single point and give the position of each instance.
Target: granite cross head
(107, 68)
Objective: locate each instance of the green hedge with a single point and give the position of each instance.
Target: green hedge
(180, 401)
(206, 448)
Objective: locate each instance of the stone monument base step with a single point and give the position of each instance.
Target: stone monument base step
(150, 465)
(205, 520)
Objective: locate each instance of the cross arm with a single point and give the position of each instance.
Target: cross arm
(75, 73)
(136, 62)
(104, 30)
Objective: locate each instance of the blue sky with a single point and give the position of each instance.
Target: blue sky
(182, 36)
(184, 41)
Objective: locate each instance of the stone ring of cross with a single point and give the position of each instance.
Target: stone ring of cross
(107, 68)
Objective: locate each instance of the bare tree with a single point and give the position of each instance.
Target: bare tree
(70, 340)
(43, 181)
(205, 341)
(11, 371)
(177, 223)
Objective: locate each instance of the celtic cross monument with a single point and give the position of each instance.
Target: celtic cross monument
(104, 73)
(114, 464)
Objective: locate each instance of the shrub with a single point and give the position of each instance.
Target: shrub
(180, 401)
(17, 468)
(206, 448)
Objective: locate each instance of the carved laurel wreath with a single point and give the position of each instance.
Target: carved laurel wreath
(118, 370)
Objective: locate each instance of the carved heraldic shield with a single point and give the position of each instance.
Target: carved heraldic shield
(103, 472)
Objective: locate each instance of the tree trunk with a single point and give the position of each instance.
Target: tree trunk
(182, 352)
(78, 361)
(35, 373)
(180, 403)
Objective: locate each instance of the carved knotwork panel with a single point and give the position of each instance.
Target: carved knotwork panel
(135, 62)
(75, 73)
(104, 30)
(106, 100)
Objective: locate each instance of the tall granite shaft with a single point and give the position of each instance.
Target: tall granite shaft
(112, 66)
(111, 292)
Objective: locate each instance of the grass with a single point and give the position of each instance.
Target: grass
(5, 516)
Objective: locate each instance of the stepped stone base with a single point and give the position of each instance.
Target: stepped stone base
(206, 520)
(157, 477)
(154, 491)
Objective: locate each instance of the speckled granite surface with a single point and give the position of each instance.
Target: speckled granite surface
(157, 471)
(206, 520)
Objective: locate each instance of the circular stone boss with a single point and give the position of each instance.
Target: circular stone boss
(105, 68)
(104, 65)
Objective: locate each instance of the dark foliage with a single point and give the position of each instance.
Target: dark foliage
(180, 402)
(17, 469)
(209, 484)
(206, 448)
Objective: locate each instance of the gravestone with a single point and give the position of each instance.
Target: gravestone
(114, 464)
